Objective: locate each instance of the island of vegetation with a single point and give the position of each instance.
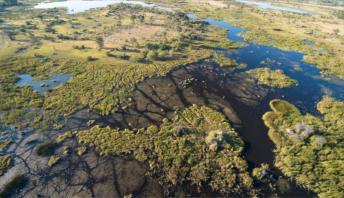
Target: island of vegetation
(224, 61)
(273, 78)
(198, 146)
(309, 149)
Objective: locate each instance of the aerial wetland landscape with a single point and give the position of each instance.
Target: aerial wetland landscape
(172, 98)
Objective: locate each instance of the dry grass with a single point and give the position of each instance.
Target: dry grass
(218, 4)
(139, 32)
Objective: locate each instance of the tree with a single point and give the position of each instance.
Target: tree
(152, 55)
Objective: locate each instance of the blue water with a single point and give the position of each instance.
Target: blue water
(37, 85)
(311, 85)
(191, 16)
(267, 5)
(234, 33)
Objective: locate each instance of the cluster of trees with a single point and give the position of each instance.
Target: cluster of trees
(308, 149)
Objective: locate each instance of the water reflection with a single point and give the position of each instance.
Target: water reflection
(42, 86)
(267, 5)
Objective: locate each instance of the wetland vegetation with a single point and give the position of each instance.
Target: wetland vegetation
(308, 148)
(161, 98)
(198, 146)
(273, 78)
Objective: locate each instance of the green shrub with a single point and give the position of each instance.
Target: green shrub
(309, 149)
(273, 78)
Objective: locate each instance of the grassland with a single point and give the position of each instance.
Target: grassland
(282, 29)
(273, 78)
(309, 149)
(5, 161)
(198, 146)
(224, 61)
(105, 65)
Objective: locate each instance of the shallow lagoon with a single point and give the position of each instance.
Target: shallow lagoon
(42, 86)
(266, 5)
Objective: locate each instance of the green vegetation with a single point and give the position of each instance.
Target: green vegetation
(104, 50)
(224, 61)
(81, 150)
(309, 149)
(4, 144)
(5, 162)
(53, 160)
(273, 78)
(66, 135)
(14, 186)
(45, 149)
(260, 172)
(199, 147)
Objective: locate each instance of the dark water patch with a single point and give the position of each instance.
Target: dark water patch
(312, 85)
(42, 86)
(202, 83)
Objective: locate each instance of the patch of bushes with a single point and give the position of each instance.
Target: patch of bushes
(309, 149)
(273, 78)
(53, 160)
(5, 162)
(224, 61)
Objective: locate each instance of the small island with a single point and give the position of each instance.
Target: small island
(272, 78)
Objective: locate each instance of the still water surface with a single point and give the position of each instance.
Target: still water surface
(268, 5)
(42, 86)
